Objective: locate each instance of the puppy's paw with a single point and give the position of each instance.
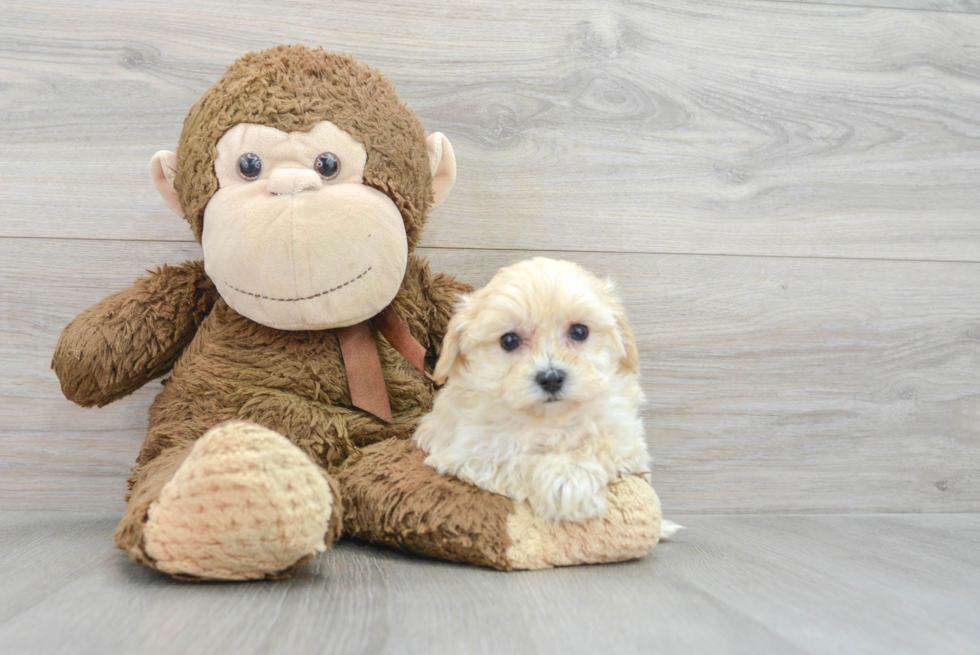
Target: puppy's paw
(640, 468)
(626, 460)
(564, 490)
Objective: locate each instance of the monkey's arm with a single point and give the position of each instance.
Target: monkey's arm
(119, 344)
(435, 295)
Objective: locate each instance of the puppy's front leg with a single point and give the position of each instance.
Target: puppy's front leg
(564, 489)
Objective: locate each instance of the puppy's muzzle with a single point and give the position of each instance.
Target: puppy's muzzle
(551, 380)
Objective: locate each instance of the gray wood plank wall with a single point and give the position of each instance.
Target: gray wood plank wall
(787, 192)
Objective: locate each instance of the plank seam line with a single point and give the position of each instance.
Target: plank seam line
(657, 253)
(854, 5)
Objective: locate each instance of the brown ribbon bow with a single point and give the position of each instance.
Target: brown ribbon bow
(363, 364)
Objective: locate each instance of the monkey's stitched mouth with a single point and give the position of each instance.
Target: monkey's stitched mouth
(315, 295)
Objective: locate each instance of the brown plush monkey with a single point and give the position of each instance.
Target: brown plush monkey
(307, 183)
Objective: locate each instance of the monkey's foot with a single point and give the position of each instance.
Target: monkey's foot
(245, 504)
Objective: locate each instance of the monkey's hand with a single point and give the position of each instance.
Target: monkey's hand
(119, 344)
(563, 489)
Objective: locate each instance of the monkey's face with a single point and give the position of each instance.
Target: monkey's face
(293, 238)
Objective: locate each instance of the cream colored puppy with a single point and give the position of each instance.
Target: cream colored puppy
(543, 391)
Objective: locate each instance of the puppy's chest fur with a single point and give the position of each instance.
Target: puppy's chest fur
(502, 455)
(581, 439)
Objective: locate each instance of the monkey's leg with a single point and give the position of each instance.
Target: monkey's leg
(242, 502)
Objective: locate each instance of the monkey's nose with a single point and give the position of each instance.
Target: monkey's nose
(290, 181)
(550, 380)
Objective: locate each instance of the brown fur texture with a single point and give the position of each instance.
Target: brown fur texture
(96, 360)
(292, 88)
(224, 366)
(290, 382)
(392, 497)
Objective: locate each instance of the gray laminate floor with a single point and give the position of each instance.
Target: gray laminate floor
(739, 584)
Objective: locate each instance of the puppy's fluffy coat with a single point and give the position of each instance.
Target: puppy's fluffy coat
(554, 419)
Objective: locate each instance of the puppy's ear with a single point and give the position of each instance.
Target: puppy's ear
(630, 360)
(451, 353)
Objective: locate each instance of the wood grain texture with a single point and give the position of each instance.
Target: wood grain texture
(774, 384)
(728, 584)
(737, 126)
(964, 6)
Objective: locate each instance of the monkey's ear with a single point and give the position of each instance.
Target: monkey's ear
(452, 354)
(163, 170)
(442, 163)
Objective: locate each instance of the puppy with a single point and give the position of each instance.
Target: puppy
(543, 391)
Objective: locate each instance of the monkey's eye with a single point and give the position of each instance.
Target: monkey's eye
(578, 332)
(249, 166)
(327, 165)
(510, 341)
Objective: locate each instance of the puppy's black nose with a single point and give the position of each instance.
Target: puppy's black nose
(550, 380)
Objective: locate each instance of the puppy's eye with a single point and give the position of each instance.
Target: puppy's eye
(578, 332)
(510, 341)
(327, 165)
(249, 166)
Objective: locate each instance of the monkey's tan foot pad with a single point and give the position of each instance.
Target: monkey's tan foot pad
(392, 497)
(245, 504)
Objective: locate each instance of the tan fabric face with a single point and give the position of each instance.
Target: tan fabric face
(291, 250)
(278, 149)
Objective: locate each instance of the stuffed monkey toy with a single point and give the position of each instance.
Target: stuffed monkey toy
(301, 336)
(301, 339)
